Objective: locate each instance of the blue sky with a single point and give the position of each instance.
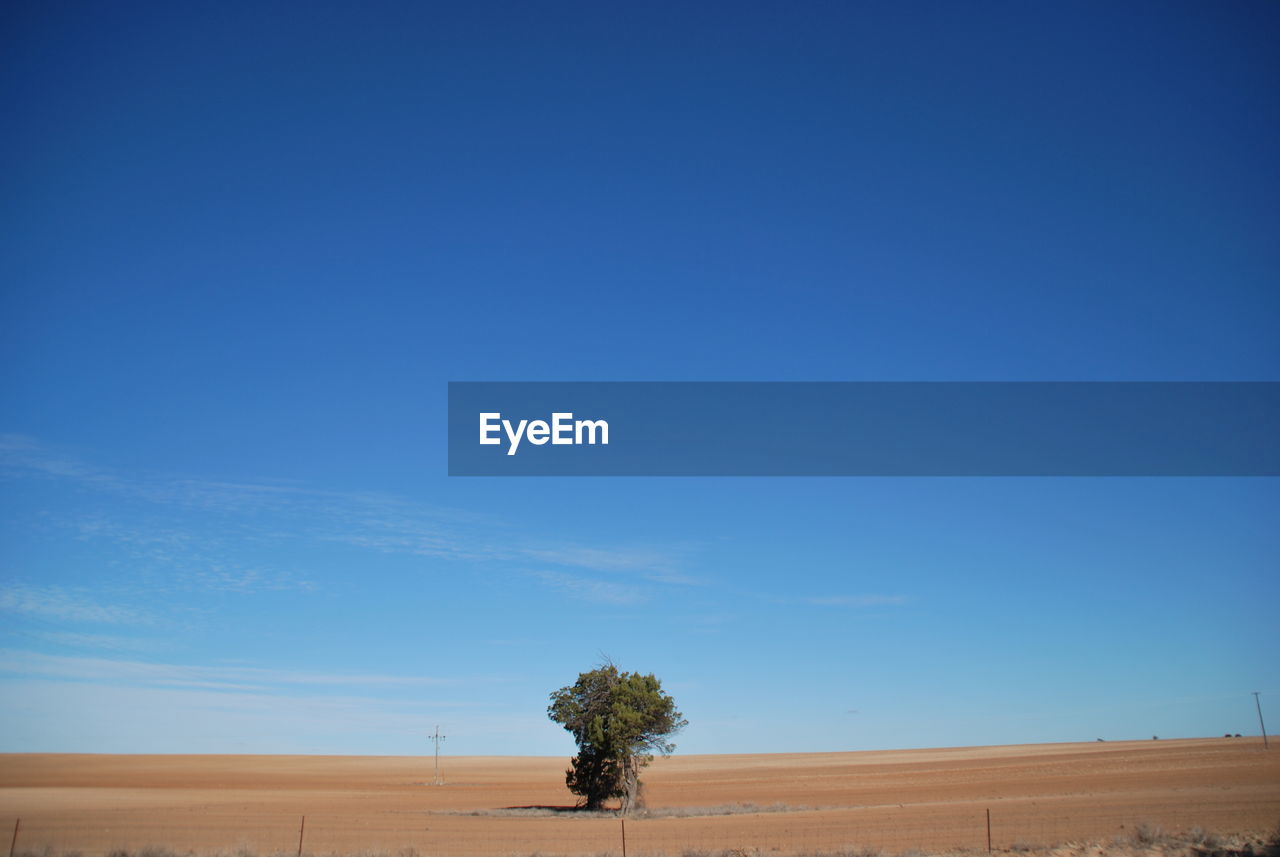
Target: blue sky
(244, 247)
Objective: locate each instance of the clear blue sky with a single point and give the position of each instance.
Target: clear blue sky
(244, 247)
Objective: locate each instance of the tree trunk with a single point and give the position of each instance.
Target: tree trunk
(631, 785)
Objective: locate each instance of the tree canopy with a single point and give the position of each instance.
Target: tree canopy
(619, 720)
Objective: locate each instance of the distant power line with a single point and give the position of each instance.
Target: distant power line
(1260, 723)
(436, 739)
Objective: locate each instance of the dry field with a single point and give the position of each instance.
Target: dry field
(929, 800)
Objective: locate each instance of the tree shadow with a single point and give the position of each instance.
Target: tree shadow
(1269, 849)
(558, 810)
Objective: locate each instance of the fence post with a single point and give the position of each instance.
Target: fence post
(988, 830)
(301, 830)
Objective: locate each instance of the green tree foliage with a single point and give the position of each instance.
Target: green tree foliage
(619, 720)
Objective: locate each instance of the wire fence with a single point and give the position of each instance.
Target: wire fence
(1004, 826)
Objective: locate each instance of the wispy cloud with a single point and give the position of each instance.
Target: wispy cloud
(22, 455)
(275, 511)
(38, 713)
(140, 673)
(231, 579)
(190, 561)
(20, 452)
(402, 534)
(94, 642)
(54, 602)
(855, 600)
(643, 562)
(588, 589)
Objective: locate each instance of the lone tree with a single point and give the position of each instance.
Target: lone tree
(619, 721)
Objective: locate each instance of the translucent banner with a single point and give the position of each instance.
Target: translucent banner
(864, 429)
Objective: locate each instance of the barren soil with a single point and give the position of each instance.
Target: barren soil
(897, 801)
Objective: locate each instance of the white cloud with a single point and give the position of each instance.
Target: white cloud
(273, 511)
(103, 704)
(647, 563)
(856, 600)
(139, 673)
(19, 452)
(628, 559)
(99, 642)
(586, 589)
(53, 602)
(40, 714)
(223, 579)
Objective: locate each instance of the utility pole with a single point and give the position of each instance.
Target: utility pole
(1260, 723)
(436, 739)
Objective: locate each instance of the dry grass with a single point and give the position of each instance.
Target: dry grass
(746, 808)
(1144, 841)
(933, 800)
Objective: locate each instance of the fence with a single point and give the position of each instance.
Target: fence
(1020, 825)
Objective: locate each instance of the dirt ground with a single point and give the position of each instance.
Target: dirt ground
(898, 801)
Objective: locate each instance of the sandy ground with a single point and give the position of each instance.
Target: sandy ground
(897, 801)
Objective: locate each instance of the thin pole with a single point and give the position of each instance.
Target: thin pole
(301, 830)
(988, 830)
(14, 842)
(624, 837)
(1260, 723)
(437, 738)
